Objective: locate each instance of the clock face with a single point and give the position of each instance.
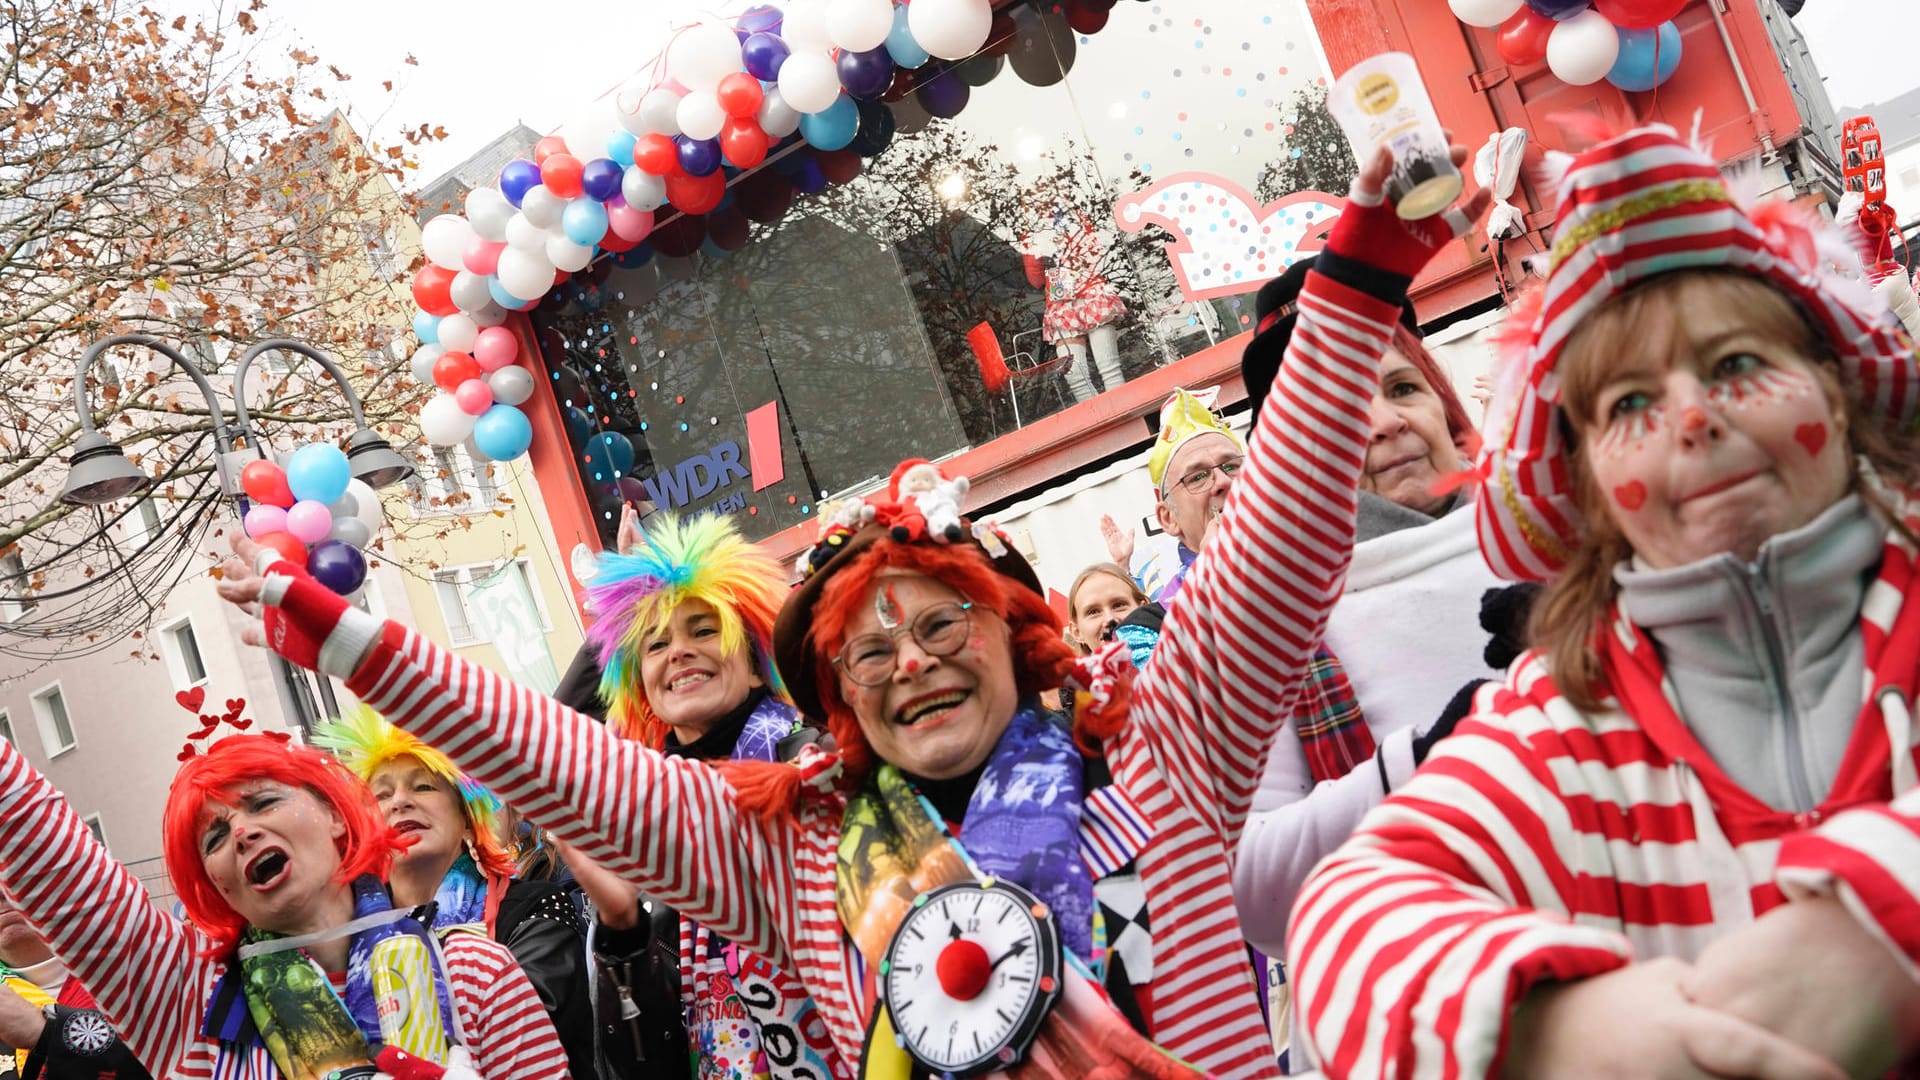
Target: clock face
(970, 975)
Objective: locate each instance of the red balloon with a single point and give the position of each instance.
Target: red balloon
(740, 94)
(1638, 14)
(1523, 38)
(547, 147)
(696, 194)
(1086, 20)
(728, 228)
(561, 175)
(615, 243)
(265, 482)
(680, 237)
(289, 547)
(453, 369)
(656, 154)
(430, 287)
(838, 166)
(473, 396)
(764, 197)
(742, 141)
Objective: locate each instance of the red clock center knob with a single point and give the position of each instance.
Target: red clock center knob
(964, 969)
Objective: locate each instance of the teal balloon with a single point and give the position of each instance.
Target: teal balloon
(584, 221)
(579, 424)
(900, 43)
(609, 457)
(1647, 59)
(833, 127)
(502, 432)
(319, 472)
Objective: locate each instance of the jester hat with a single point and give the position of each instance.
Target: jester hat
(1632, 208)
(1183, 418)
(633, 597)
(364, 742)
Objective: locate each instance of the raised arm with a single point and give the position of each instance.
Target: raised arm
(142, 966)
(669, 825)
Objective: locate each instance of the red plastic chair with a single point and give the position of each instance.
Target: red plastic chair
(995, 371)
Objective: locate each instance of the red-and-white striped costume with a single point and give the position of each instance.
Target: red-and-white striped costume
(1221, 684)
(1539, 843)
(149, 974)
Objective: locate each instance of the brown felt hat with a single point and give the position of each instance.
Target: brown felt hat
(793, 644)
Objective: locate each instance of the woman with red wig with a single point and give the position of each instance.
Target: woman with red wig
(293, 962)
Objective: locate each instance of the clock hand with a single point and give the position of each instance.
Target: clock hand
(1018, 948)
(953, 931)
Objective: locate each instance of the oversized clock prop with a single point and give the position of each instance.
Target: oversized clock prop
(970, 975)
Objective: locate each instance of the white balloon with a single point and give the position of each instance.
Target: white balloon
(445, 239)
(350, 531)
(525, 273)
(1485, 12)
(542, 207)
(860, 25)
(420, 365)
(458, 332)
(809, 82)
(777, 118)
(478, 455)
(700, 56)
(524, 234)
(804, 27)
(511, 385)
(642, 189)
(367, 503)
(566, 255)
(443, 422)
(950, 29)
(700, 115)
(1581, 50)
(488, 212)
(626, 106)
(490, 315)
(586, 136)
(658, 112)
(469, 291)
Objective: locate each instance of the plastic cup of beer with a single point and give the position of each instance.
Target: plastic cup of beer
(1381, 102)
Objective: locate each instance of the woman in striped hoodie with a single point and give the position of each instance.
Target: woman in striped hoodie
(1681, 840)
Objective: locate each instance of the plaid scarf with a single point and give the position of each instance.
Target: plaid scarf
(1333, 733)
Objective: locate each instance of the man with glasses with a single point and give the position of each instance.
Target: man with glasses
(1192, 467)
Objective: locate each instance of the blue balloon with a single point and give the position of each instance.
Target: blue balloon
(600, 178)
(318, 471)
(584, 220)
(866, 74)
(634, 258)
(518, 178)
(764, 54)
(1647, 57)
(834, 126)
(579, 424)
(609, 457)
(699, 157)
(712, 250)
(502, 432)
(900, 43)
(808, 179)
(760, 18)
(1558, 9)
(506, 299)
(426, 327)
(620, 149)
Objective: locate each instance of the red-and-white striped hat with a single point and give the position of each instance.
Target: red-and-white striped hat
(1634, 207)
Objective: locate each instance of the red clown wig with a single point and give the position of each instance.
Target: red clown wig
(233, 764)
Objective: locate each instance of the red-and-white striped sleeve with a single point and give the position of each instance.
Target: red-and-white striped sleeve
(1234, 656)
(147, 971)
(1540, 843)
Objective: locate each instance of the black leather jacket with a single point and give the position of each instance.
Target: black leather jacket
(543, 928)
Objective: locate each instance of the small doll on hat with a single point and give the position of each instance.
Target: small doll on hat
(924, 502)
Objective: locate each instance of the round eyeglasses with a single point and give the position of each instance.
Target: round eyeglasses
(939, 631)
(1200, 481)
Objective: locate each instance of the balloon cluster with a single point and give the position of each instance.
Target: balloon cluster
(314, 513)
(1632, 44)
(819, 72)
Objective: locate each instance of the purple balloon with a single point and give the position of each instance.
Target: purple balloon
(759, 19)
(944, 95)
(600, 179)
(866, 74)
(764, 54)
(632, 490)
(808, 179)
(1557, 9)
(518, 178)
(698, 156)
(337, 565)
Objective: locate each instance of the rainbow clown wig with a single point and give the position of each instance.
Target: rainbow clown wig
(634, 596)
(364, 742)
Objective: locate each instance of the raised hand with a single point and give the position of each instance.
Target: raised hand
(1119, 542)
(1370, 232)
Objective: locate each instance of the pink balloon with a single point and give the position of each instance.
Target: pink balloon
(495, 349)
(474, 397)
(309, 521)
(483, 255)
(264, 519)
(628, 223)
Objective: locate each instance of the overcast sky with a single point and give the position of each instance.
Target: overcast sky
(485, 64)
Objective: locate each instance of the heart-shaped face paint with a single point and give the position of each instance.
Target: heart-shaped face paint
(1812, 437)
(1631, 495)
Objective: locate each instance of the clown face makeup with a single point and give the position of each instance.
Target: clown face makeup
(273, 854)
(1718, 436)
(937, 717)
